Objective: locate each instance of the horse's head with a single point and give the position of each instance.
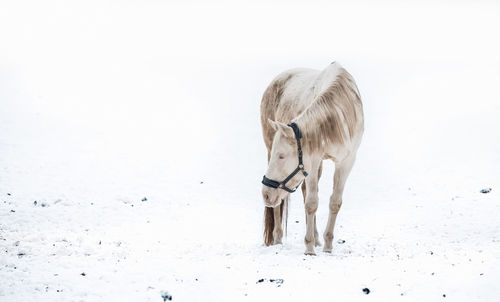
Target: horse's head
(282, 172)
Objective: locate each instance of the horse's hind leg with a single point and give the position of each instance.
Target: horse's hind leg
(342, 171)
(316, 235)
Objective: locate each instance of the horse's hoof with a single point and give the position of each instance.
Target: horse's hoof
(310, 253)
(327, 250)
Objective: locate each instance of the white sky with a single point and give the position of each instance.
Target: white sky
(126, 64)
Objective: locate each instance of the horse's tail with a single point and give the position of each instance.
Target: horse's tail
(269, 221)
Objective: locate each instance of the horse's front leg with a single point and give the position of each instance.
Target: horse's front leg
(279, 212)
(311, 205)
(342, 171)
(304, 190)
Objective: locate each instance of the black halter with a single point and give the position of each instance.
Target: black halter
(282, 185)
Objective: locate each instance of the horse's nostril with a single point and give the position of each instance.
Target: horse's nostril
(266, 196)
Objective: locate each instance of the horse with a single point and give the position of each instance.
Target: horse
(308, 116)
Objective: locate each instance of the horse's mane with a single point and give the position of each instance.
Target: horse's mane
(269, 106)
(331, 118)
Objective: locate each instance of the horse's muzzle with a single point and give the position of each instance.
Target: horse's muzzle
(271, 197)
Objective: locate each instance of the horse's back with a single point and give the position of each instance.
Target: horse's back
(296, 88)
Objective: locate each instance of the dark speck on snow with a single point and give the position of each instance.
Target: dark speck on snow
(484, 191)
(366, 290)
(277, 281)
(166, 296)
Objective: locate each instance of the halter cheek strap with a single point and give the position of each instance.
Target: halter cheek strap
(282, 184)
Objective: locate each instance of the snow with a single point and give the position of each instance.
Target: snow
(131, 153)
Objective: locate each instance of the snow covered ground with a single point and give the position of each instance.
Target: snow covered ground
(131, 154)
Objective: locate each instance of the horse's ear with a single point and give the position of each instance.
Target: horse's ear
(285, 129)
(273, 124)
(281, 127)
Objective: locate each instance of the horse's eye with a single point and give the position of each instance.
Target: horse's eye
(282, 156)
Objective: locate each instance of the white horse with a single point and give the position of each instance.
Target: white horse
(308, 116)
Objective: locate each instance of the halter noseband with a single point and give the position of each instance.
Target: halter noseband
(282, 185)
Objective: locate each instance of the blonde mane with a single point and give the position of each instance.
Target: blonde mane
(270, 102)
(332, 117)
